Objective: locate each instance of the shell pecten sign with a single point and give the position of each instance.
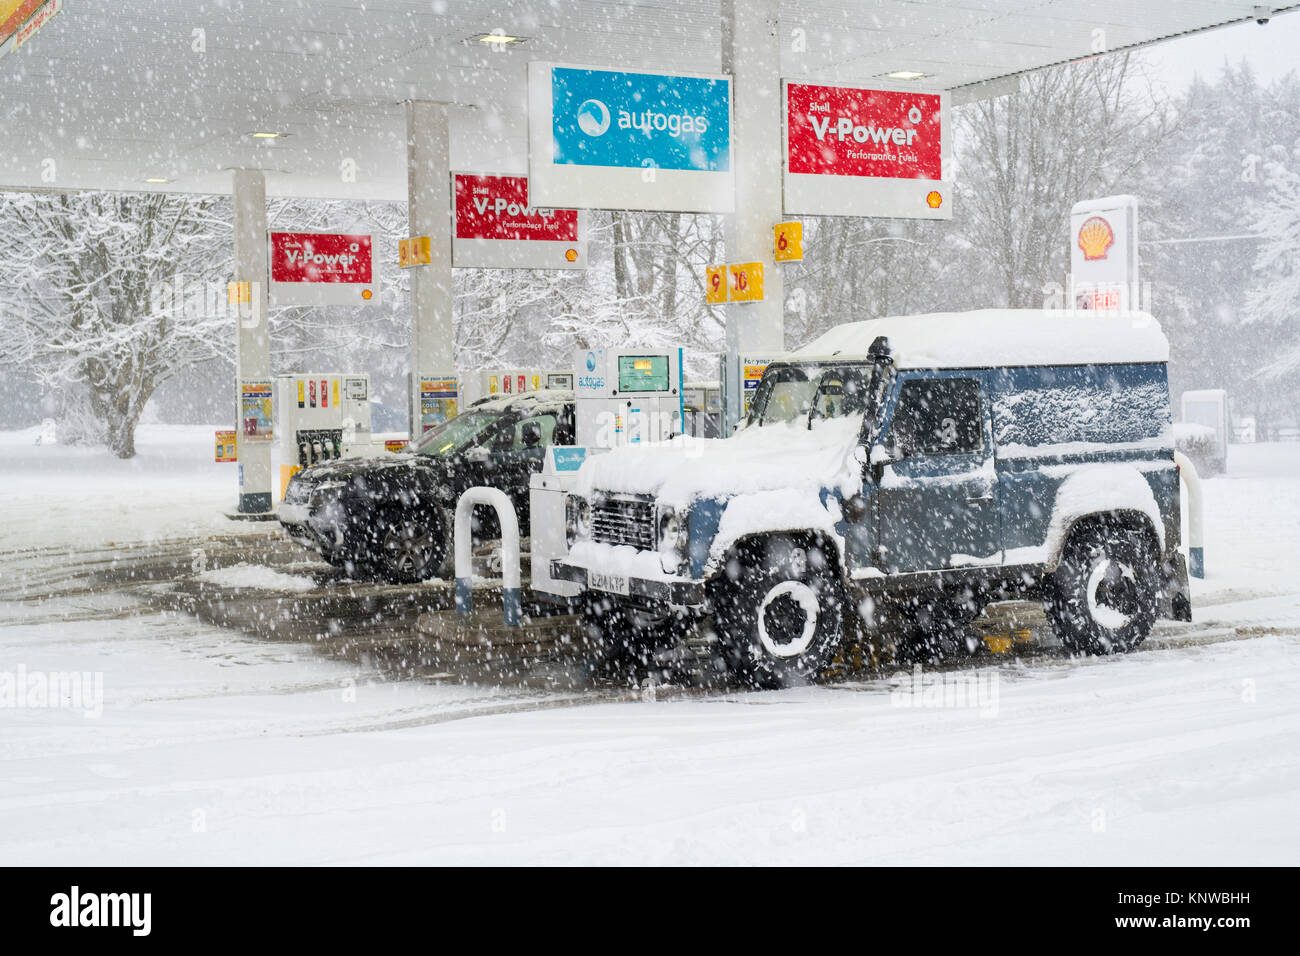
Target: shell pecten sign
(1095, 238)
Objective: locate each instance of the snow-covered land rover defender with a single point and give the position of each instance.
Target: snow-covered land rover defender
(909, 469)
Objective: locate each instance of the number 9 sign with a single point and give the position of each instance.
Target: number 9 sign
(715, 284)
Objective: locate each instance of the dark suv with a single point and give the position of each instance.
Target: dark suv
(392, 517)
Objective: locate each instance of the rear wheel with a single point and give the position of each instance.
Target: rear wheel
(408, 547)
(778, 610)
(1105, 594)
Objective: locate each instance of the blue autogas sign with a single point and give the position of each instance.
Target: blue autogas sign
(609, 118)
(568, 459)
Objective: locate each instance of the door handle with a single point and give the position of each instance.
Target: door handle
(980, 500)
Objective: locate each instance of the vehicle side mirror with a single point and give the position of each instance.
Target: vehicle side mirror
(888, 452)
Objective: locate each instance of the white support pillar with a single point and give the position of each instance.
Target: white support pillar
(751, 53)
(428, 184)
(253, 351)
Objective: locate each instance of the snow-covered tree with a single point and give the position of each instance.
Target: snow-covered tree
(1072, 132)
(81, 308)
(1212, 190)
(1273, 303)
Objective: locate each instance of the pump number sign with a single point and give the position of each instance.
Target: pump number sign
(746, 282)
(740, 282)
(715, 284)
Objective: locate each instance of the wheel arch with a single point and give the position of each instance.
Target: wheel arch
(756, 546)
(1117, 494)
(1117, 519)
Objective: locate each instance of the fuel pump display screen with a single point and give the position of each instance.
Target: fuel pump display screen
(643, 373)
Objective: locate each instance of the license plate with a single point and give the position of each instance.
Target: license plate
(600, 581)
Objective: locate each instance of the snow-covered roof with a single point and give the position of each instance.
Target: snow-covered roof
(999, 337)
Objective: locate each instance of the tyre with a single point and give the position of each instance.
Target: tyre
(778, 611)
(408, 546)
(1104, 596)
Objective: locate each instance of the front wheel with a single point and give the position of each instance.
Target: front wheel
(408, 547)
(1105, 595)
(778, 610)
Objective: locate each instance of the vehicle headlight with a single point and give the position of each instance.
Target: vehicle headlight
(673, 539)
(577, 519)
(326, 492)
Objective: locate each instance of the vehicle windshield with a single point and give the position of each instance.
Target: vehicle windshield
(459, 433)
(815, 393)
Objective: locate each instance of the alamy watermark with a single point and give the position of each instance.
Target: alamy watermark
(946, 690)
(124, 910)
(21, 688)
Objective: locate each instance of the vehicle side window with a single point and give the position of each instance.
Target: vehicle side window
(787, 396)
(939, 417)
(564, 428)
(840, 393)
(545, 423)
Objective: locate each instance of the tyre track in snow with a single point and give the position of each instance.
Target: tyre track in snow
(134, 573)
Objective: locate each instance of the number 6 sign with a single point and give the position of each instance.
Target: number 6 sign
(789, 241)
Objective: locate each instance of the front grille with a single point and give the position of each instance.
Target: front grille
(624, 521)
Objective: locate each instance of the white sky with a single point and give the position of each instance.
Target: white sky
(1272, 51)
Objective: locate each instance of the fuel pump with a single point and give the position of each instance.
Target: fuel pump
(621, 397)
(627, 397)
(323, 416)
(489, 383)
(702, 405)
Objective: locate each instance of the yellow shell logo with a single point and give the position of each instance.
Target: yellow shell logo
(1095, 238)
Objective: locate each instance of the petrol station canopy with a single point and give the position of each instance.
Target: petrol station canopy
(168, 94)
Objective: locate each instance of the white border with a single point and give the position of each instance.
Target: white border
(616, 187)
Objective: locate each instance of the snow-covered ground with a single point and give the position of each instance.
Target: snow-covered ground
(205, 746)
(58, 495)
